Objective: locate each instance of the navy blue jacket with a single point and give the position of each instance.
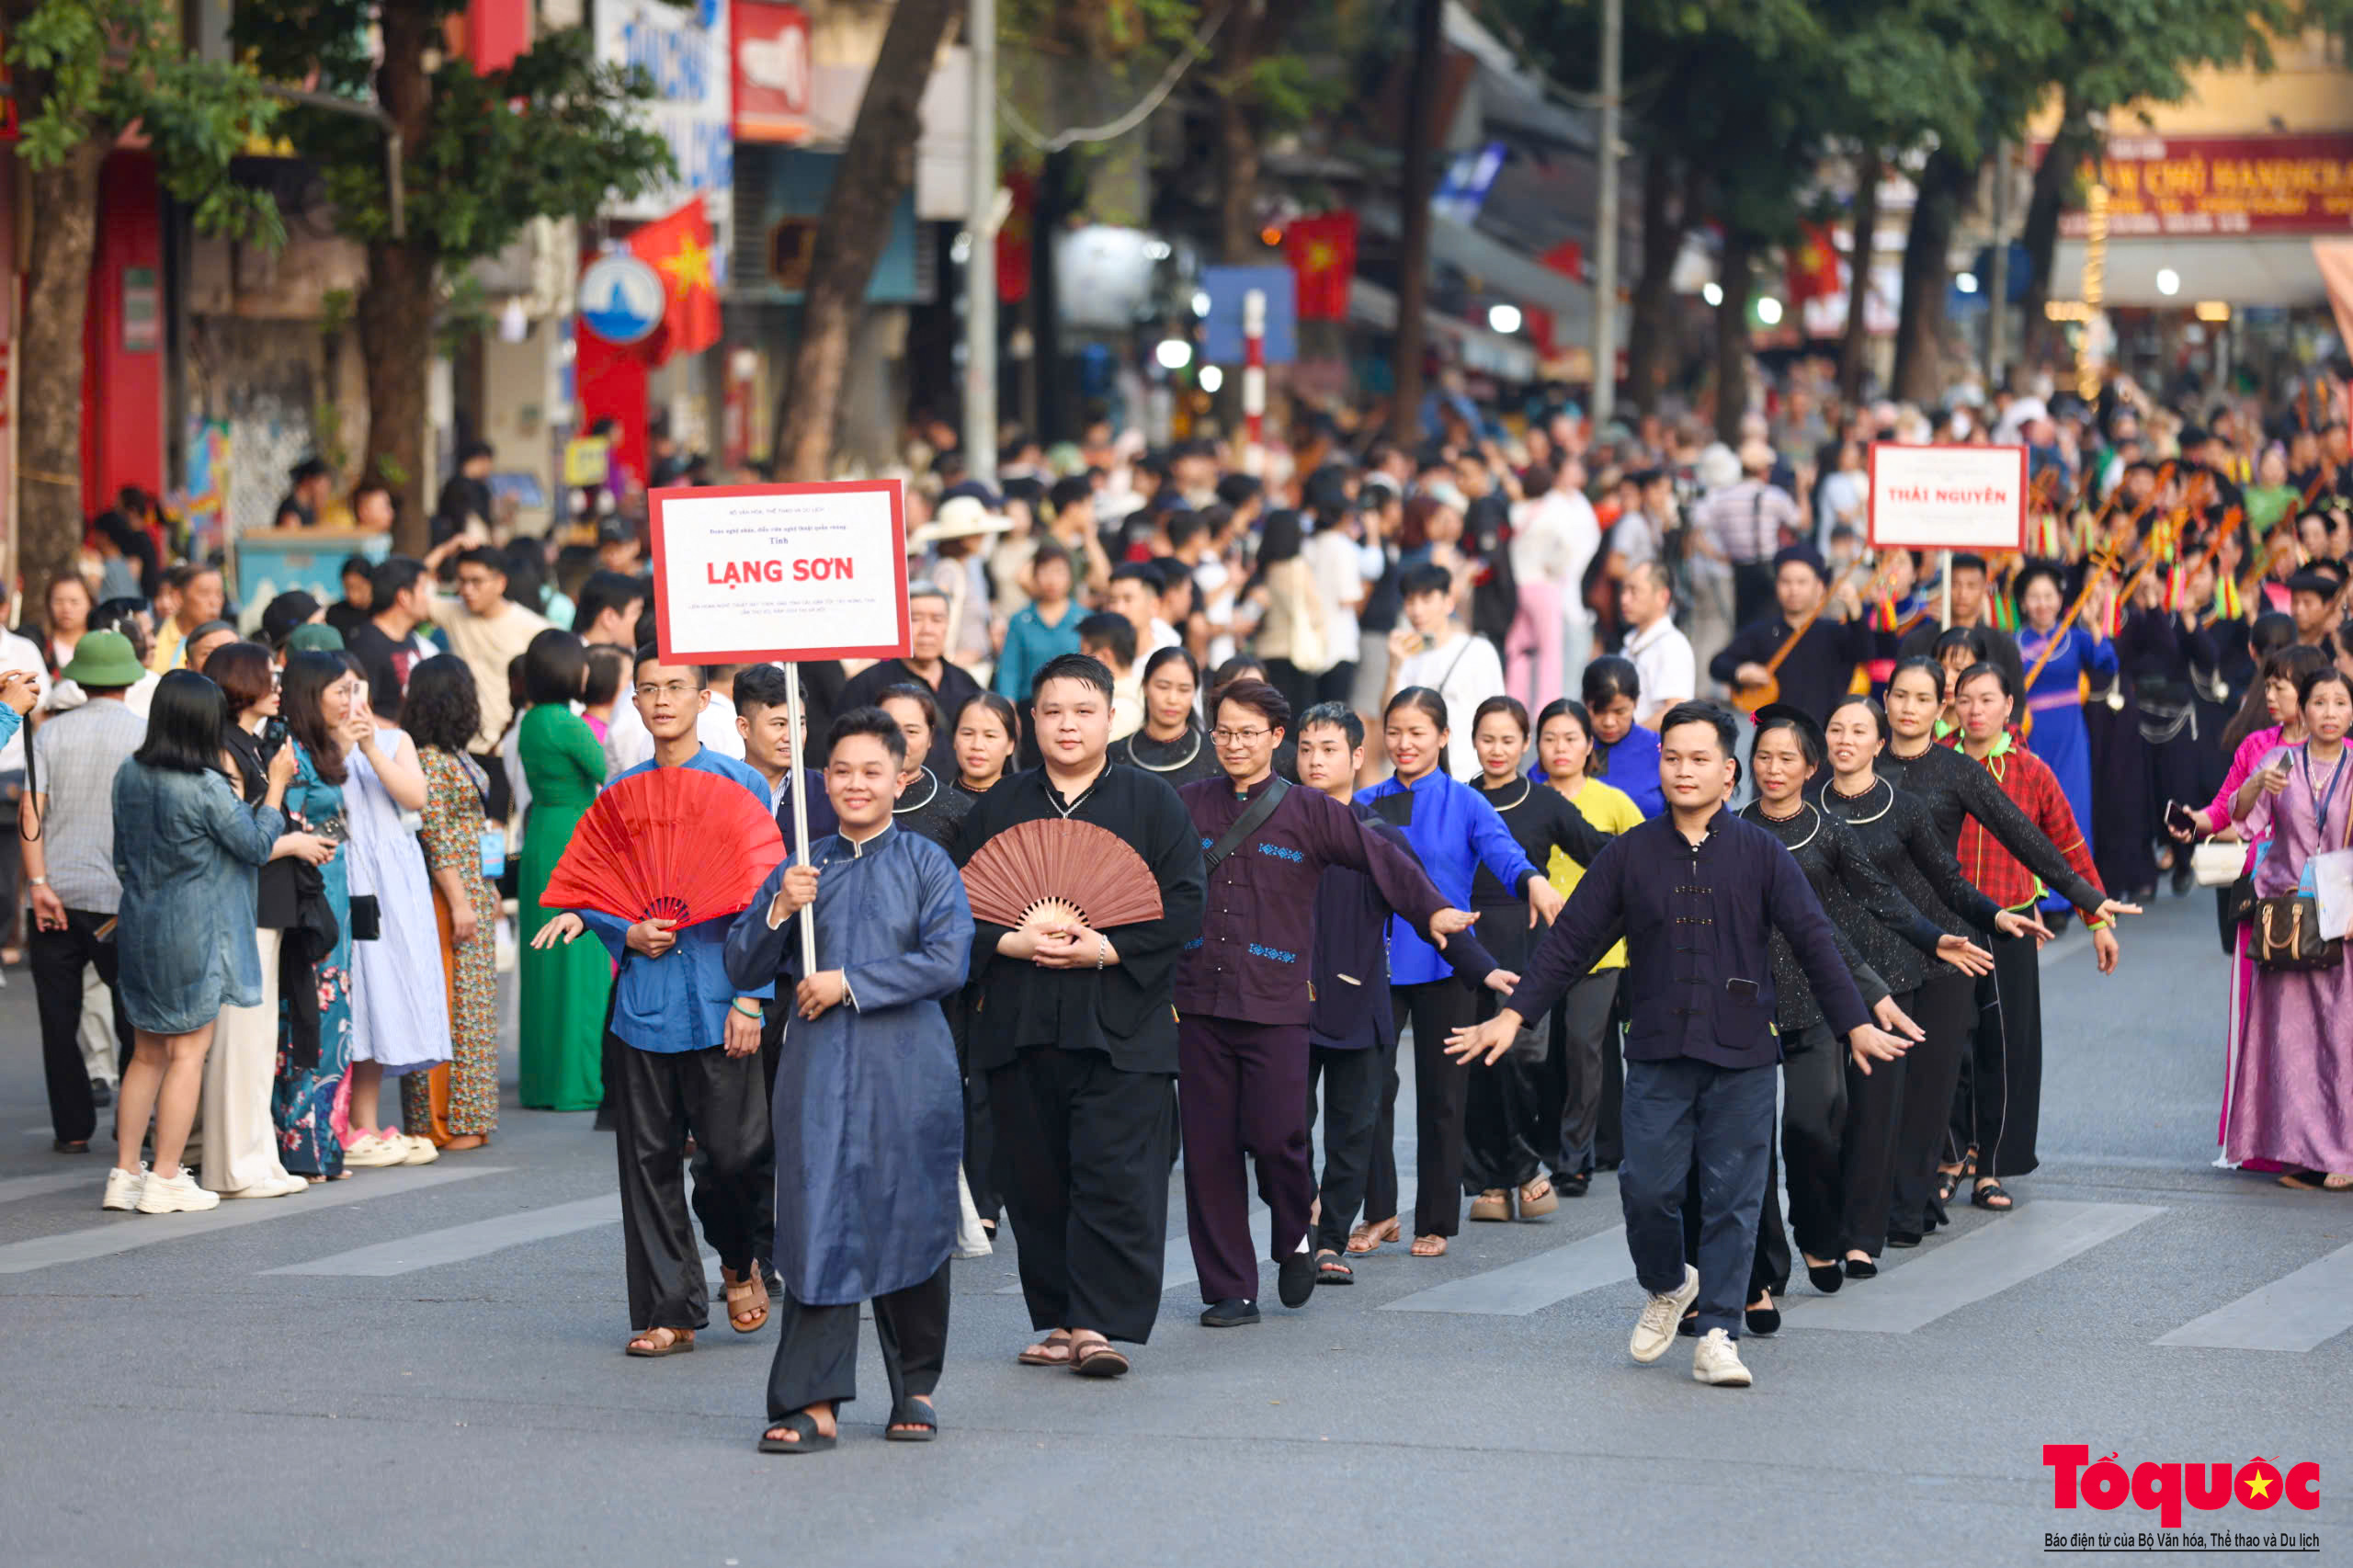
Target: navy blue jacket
(1697, 920)
(1349, 1009)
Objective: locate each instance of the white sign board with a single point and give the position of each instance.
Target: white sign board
(745, 574)
(1947, 498)
(683, 51)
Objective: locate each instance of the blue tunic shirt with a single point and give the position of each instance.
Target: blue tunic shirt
(1453, 830)
(679, 1000)
(868, 1107)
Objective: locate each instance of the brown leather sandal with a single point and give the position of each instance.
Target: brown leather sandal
(748, 1300)
(1371, 1238)
(1429, 1247)
(1051, 1351)
(680, 1342)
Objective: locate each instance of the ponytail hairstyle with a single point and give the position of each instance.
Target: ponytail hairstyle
(1433, 707)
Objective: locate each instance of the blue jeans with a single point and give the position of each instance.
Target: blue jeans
(1682, 1117)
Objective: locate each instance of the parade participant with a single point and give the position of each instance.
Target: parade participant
(187, 856)
(565, 989)
(1895, 831)
(1972, 609)
(868, 1127)
(1110, 641)
(926, 663)
(1350, 1023)
(1170, 743)
(1699, 1080)
(686, 1047)
(988, 737)
(1957, 649)
(455, 1104)
(1585, 1075)
(927, 806)
(1839, 1126)
(2168, 654)
(1811, 656)
(2057, 662)
(1433, 652)
(1625, 753)
(1506, 1135)
(1242, 1013)
(66, 833)
(1995, 1123)
(1453, 830)
(2282, 1108)
(1077, 1035)
(764, 719)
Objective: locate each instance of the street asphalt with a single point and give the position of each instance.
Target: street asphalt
(425, 1366)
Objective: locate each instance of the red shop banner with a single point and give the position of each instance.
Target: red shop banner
(773, 70)
(2193, 186)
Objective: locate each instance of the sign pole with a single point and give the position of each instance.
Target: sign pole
(800, 809)
(1946, 618)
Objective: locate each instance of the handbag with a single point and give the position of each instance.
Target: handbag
(2287, 937)
(2216, 863)
(367, 918)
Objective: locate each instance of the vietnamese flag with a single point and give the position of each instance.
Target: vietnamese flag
(1322, 251)
(1813, 264)
(679, 248)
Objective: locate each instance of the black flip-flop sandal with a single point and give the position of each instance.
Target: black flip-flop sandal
(913, 1420)
(808, 1440)
(1983, 1197)
(1330, 1270)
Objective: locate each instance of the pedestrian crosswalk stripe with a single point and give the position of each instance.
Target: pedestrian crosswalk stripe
(126, 1232)
(14, 1188)
(1531, 1284)
(1177, 1266)
(457, 1244)
(2296, 1312)
(2038, 1237)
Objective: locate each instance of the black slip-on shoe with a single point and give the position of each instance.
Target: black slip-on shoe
(1232, 1312)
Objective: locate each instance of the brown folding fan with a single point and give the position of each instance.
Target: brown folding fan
(1038, 872)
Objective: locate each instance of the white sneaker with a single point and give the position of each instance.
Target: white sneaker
(123, 1187)
(1655, 1330)
(417, 1151)
(368, 1151)
(174, 1195)
(270, 1187)
(1716, 1360)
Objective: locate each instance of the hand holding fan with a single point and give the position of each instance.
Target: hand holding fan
(674, 844)
(1047, 873)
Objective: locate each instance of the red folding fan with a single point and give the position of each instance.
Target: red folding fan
(674, 844)
(1039, 871)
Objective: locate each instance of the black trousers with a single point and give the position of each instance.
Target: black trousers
(816, 1347)
(1351, 1084)
(1946, 1009)
(1577, 1071)
(2000, 1102)
(1086, 1151)
(1609, 1134)
(1437, 1008)
(1867, 1151)
(758, 1187)
(658, 1099)
(1814, 1113)
(55, 959)
(1297, 685)
(1505, 1131)
(979, 1127)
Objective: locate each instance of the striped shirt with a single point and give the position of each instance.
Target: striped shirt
(75, 757)
(1751, 520)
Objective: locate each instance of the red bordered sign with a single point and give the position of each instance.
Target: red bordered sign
(744, 574)
(1947, 498)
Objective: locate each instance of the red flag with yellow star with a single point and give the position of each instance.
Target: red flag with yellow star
(1322, 252)
(679, 249)
(1813, 264)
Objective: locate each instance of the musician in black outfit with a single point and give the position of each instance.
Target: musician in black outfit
(1818, 665)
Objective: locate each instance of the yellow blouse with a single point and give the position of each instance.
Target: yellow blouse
(1611, 810)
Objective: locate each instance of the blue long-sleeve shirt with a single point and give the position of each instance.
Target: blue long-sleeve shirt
(1697, 920)
(1453, 830)
(679, 1000)
(1029, 644)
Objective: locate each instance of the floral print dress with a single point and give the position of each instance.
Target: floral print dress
(460, 1100)
(306, 1103)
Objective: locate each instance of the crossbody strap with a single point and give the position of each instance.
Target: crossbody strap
(1252, 819)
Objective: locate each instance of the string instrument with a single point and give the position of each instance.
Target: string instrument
(1751, 698)
(2103, 562)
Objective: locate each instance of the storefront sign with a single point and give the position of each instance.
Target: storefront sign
(682, 51)
(748, 573)
(1947, 498)
(2189, 186)
(772, 71)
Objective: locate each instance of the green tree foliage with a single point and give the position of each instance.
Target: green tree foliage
(84, 73)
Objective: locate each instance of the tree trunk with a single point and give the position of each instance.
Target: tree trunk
(394, 312)
(1855, 352)
(63, 211)
(394, 315)
(1920, 323)
(1237, 137)
(876, 166)
(1735, 279)
(1413, 223)
(1649, 336)
(2054, 180)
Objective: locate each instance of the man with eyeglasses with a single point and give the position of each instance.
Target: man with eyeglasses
(683, 1059)
(489, 632)
(1243, 996)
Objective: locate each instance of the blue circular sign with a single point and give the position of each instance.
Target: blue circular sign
(621, 298)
